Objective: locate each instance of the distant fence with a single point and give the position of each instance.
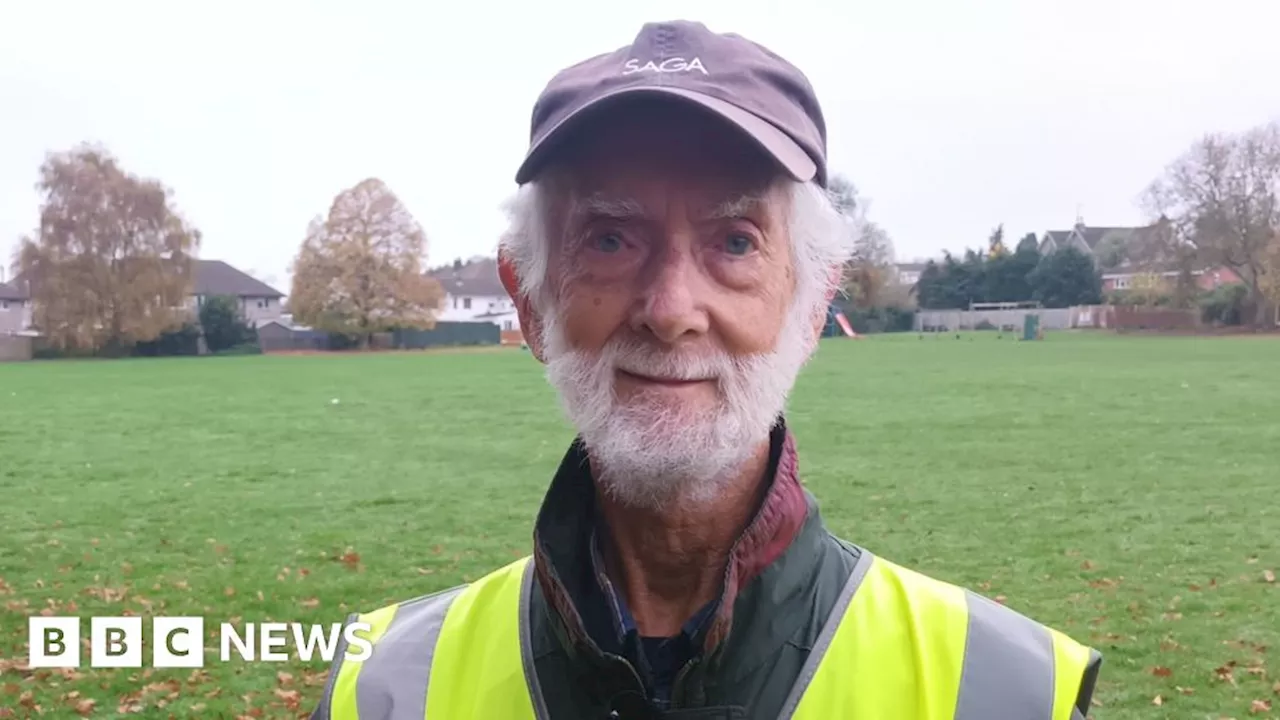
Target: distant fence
(954, 320)
(1103, 317)
(448, 333)
(15, 347)
(1149, 318)
(276, 337)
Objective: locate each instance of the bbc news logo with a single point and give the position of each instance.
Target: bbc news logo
(179, 642)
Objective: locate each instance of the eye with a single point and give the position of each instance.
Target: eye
(607, 243)
(738, 244)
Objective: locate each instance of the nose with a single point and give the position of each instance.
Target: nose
(669, 309)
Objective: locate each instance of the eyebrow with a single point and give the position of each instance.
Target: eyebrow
(601, 206)
(736, 208)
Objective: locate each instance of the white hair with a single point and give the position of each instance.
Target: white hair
(647, 454)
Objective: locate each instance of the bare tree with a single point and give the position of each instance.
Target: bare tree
(1222, 201)
(360, 270)
(870, 271)
(111, 261)
(1270, 282)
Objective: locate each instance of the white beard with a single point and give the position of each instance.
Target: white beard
(649, 452)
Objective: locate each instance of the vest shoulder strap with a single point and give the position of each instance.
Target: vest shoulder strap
(408, 637)
(901, 644)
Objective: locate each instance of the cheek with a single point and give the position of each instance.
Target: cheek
(592, 316)
(750, 322)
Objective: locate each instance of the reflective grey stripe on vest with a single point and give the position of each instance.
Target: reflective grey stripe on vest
(1008, 665)
(1007, 673)
(393, 680)
(392, 684)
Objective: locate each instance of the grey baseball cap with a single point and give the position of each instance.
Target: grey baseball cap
(751, 87)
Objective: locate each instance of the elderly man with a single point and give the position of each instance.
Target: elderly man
(672, 255)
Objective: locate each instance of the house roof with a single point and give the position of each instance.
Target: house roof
(12, 291)
(478, 278)
(215, 277)
(1057, 235)
(212, 277)
(1092, 236)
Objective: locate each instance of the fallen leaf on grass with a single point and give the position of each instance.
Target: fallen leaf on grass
(350, 558)
(1269, 575)
(1086, 565)
(1276, 688)
(310, 603)
(1157, 700)
(284, 678)
(1161, 671)
(85, 707)
(292, 698)
(1185, 691)
(1259, 706)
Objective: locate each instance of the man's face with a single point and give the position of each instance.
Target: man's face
(673, 279)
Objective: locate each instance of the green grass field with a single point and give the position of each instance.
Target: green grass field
(1125, 490)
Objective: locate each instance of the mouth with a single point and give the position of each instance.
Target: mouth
(663, 381)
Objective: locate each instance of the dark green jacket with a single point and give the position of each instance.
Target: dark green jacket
(784, 577)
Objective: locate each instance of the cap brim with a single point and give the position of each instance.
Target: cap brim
(787, 152)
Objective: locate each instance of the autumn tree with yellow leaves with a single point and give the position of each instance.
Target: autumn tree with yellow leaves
(360, 269)
(111, 262)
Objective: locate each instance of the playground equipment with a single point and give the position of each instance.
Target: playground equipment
(837, 324)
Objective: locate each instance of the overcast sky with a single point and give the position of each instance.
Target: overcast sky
(951, 115)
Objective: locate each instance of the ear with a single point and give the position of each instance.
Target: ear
(530, 322)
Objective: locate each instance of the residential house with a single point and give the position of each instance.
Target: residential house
(15, 308)
(1113, 249)
(256, 300)
(473, 293)
(909, 273)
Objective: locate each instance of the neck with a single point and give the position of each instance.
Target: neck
(670, 560)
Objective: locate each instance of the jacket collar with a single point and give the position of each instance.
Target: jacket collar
(563, 546)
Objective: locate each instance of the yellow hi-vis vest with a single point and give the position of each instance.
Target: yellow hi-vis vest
(898, 645)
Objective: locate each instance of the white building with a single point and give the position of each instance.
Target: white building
(15, 309)
(473, 293)
(909, 273)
